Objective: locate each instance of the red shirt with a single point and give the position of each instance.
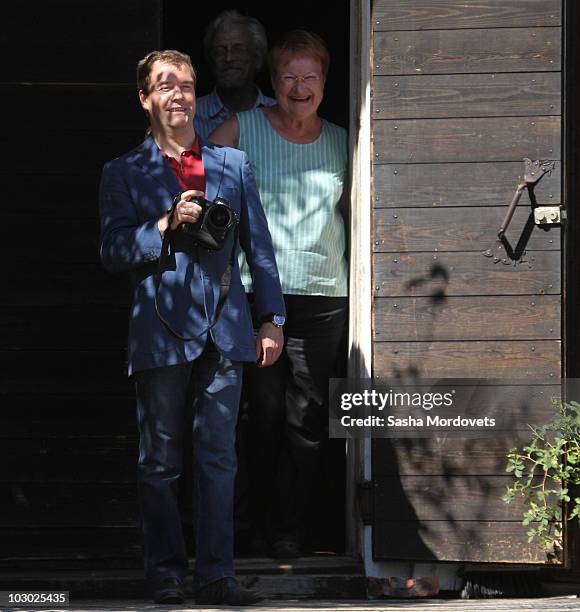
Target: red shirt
(189, 173)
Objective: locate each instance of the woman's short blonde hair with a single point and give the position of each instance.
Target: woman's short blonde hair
(297, 43)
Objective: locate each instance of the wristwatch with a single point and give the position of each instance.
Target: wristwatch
(277, 320)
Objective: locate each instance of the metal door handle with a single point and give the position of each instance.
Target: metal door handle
(534, 171)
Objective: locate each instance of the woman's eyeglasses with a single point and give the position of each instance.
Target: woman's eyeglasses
(292, 79)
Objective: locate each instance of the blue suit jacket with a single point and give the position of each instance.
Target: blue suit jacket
(136, 190)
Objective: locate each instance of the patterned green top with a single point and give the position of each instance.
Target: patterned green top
(300, 186)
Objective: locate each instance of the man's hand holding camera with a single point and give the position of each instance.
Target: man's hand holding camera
(186, 211)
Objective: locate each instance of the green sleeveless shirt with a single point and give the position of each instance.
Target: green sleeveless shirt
(300, 186)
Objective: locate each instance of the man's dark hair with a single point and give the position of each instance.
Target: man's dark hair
(168, 56)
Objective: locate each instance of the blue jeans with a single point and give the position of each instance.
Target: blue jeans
(210, 387)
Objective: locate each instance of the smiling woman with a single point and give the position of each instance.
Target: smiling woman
(300, 161)
(298, 81)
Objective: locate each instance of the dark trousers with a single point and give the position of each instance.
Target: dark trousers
(288, 416)
(210, 388)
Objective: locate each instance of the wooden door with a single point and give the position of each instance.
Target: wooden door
(462, 91)
(68, 434)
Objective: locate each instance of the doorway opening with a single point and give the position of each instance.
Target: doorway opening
(183, 29)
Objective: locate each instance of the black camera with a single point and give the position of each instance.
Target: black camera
(214, 224)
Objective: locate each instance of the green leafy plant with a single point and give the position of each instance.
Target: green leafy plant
(544, 471)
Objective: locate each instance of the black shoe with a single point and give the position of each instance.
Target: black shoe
(169, 591)
(286, 549)
(226, 591)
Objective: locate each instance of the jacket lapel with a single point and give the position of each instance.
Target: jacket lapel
(151, 160)
(213, 165)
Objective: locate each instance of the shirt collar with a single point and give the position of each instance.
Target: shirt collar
(216, 106)
(194, 150)
(261, 99)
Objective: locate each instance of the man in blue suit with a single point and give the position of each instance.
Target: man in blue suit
(190, 328)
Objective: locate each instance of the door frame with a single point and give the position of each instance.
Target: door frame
(358, 464)
(570, 261)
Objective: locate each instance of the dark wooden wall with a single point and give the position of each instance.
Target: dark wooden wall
(461, 92)
(68, 436)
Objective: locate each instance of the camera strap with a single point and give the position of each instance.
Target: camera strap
(225, 283)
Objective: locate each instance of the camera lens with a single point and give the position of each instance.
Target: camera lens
(220, 216)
